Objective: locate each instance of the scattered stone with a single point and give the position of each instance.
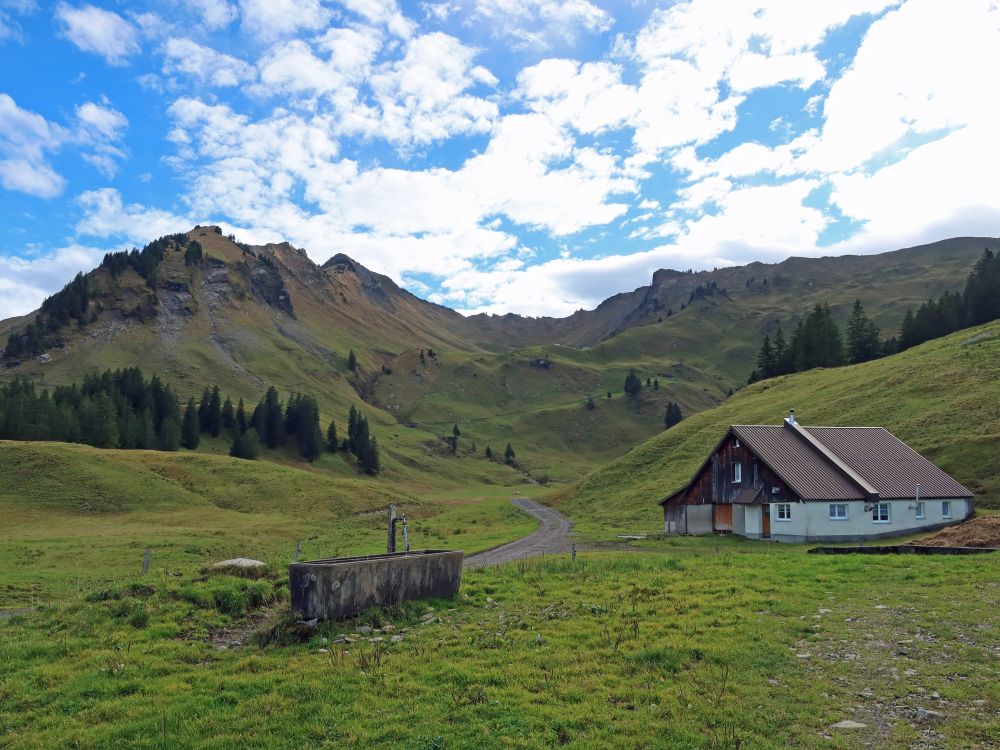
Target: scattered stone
(341, 640)
(428, 620)
(773, 682)
(388, 628)
(926, 714)
(396, 639)
(324, 651)
(235, 644)
(377, 639)
(881, 606)
(910, 672)
(539, 640)
(804, 656)
(364, 630)
(848, 724)
(824, 611)
(427, 617)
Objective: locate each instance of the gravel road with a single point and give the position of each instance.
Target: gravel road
(550, 538)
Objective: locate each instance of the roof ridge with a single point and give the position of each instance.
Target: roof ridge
(833, 458)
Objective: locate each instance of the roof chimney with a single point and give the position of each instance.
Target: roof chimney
(791, 417)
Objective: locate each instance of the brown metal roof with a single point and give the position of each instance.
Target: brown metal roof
(803, 469)
(748, 495)
(887, 463)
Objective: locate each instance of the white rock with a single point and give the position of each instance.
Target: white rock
(242, 563)
(848, 724)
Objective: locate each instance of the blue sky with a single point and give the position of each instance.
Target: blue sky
(534, 156)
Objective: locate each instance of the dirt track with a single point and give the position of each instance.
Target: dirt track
(551, 537)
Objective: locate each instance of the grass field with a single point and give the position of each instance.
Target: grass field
(687, 644)
(75, 516)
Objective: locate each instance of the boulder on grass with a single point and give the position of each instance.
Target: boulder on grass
(240, 566)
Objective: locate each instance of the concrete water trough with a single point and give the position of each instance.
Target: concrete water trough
(346, 586)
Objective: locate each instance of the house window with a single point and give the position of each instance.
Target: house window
(737, 472)
(783, 511)
(880, 513)
(736, 443)
(946, 509)
(920, 510)
(838, 511)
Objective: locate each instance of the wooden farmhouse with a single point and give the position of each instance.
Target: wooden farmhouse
(793, 483)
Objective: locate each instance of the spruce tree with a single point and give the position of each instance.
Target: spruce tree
(104, 427)
(488, 453)
(509, 455)
(241, 418)
(672, 415)
(307, 433)
(863, 341)
(190, 435)
(228, 414)
(633, 386)
(203, 405)
(245, 445)
(170, 434)
(331, 437)
(352, 361)
(215, 413)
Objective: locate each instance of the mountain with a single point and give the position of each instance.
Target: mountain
(939, 397)
(201, 308)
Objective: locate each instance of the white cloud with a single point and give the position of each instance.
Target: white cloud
(25, 282)
(26, 139)
(99, 31)
(538, 24)
(214, 14)
(271, 19)
(102, 120)
(105, 214)
(423, 96)
(205, 64)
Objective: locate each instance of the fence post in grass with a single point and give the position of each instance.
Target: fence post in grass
(298, 551)
(147, 556)
(574, 551)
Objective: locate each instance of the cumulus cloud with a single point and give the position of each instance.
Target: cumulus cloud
(106, 215)
(268, 20)
(25, 282)
(205, 64)
(214, 14)
(99, 31)
(26, 141)
(538, 24)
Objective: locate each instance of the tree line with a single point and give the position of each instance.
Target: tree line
(817, 341)
(122, 409)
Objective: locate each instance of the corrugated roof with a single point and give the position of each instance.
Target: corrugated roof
(887, 463)
(802, 468)
(748, 495)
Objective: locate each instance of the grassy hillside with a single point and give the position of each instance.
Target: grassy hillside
(225, 322)
(940, 397)
(75, 515)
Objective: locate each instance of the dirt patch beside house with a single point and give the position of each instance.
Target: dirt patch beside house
(983, 531)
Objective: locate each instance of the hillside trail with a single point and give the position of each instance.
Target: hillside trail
(550, 538)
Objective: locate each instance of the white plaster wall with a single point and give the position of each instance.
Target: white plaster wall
(811, 520)
(739, 522)
(751, 521)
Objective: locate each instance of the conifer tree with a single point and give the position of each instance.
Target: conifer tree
(633, 386)
(307, 432)
(228, 415)
(331, 437)
(672, 415)
(190, 434)
(488, 453)
(245, 445)
(509, 455)
(863, 341)
(352, 361)
(170, 434)
(203, 406)
(215, 413)
(241, 418)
